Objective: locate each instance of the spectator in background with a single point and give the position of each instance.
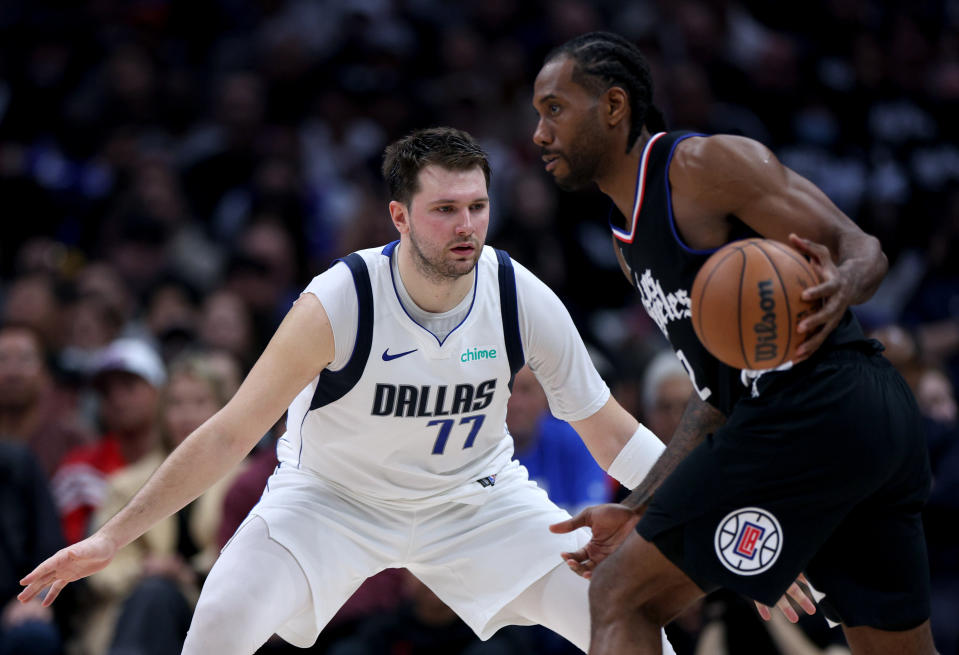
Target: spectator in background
(263, 272)
(32, 300)
(91, 324)
(145, 597)
(170, 314)
(31, 412)
(29, 533)
(229, 158)
(666, 391)
(226, 367)
(225, 323)
(936, 397)
(551, 450)
(937, 402)
(128, 378)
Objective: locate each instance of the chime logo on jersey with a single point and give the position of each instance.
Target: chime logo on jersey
(475, 354)
(748, 541)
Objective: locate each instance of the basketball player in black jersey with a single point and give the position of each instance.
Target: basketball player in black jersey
(820, 468)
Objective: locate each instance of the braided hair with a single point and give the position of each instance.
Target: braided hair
(604, 60)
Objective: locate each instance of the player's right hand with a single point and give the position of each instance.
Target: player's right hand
(610, 523)
(69, 564)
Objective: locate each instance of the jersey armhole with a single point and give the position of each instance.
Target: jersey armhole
(333, 385)
(509, 310)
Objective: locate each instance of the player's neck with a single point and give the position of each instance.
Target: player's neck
(619, 182)
(431, 293)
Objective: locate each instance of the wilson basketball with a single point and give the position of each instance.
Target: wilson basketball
(746, 303)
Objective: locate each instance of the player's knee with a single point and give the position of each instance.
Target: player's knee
(612, 595)
(623, 603)
(616, 594)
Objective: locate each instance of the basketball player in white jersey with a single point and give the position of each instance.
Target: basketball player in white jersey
(396, 366)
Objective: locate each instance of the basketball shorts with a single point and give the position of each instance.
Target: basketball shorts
(477, 558)
(824, 472)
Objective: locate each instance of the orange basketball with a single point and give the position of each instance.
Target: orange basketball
(746, 303)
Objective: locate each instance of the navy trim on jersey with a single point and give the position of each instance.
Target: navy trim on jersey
(669, 201)
(510, 314)
(388, 251)
(333, 385)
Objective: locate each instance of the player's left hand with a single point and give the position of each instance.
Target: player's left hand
(611, 524)
(800, 593)
(833, 293)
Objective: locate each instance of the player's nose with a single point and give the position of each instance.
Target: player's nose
(465, 226)
(541, 135)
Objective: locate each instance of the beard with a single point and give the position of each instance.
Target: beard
(583, 157)
(438, 269)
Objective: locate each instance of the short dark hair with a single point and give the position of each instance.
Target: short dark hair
(446, 147)
(604, 60)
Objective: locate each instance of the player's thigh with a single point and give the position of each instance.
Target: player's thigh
(477, 559)
(750, 506)
(874, 568)
(638, 578)
(558, 601)
(255, 587)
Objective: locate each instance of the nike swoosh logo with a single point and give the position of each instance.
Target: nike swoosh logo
(387, 356)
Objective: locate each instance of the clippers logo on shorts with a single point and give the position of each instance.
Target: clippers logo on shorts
(748, 541)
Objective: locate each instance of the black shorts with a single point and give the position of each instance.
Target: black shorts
(825, 472)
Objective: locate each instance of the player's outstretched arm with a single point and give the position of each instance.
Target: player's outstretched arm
(727, 175)
(609, 430)
(300, 349)
(612, 523)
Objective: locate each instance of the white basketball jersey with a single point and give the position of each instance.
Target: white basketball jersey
(410, 418)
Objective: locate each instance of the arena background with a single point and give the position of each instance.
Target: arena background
(178, 170)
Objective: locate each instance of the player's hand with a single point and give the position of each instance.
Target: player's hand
(800, 593)
(69, 564)
(832, 292)
(610, 523)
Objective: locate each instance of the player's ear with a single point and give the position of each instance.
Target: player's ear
(400, 215)
(615, 106)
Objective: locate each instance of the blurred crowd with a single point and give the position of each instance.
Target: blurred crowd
(173, 173)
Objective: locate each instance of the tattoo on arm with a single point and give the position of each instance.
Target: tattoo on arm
(699, 419)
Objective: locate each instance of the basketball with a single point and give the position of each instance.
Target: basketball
(746, 303)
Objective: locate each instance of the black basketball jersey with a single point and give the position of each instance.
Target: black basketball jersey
(663, 268)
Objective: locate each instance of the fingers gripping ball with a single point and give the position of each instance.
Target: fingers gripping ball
(746, 303)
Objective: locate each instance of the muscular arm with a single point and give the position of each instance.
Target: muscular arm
(699, 419)
(300, 349)
(716, 177)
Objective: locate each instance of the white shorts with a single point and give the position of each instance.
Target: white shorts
(475, 558)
